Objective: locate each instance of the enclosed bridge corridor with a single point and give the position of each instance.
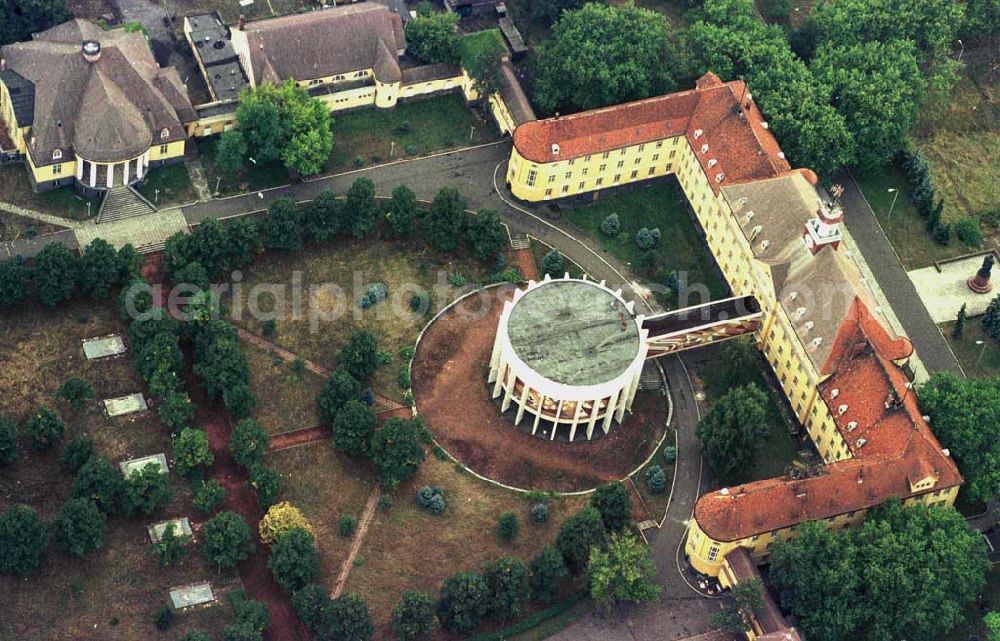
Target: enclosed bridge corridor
(700, 325)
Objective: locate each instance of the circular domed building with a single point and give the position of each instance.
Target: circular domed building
(569, 353)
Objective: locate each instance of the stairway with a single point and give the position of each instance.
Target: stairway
(123, 202)
(519, 241)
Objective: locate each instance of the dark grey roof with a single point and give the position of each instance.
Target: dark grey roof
(513, 95)
(426, 73)
(22, 96)
(399, 8)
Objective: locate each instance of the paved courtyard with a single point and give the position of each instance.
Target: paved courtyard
(943, 290)
(145, 233)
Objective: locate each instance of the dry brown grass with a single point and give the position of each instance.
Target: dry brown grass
(407, 548)
(286, 399)
(80, 598)
(393, 263)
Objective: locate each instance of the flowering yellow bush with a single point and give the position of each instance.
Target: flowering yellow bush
(279, 519)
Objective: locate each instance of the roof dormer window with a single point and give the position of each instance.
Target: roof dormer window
(57, 154)
(164, 133)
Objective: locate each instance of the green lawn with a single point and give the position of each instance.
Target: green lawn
(15, 188)
(169, 186)
(252, 177)
(981, 361)
(654, 204)
(905, 225)
(472, 44)
(372, 136)
(779, 449)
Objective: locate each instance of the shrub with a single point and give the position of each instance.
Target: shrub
(208, 496)
(431, 499)
(384, 502)
(553, 264)
(507, 582)
(146, 490)
(457, 280)
(464, 602)
(294, 560)
(249, 443)
(646, 239)
(670, 454)
(269, 328)
(347, 525)
(266, 483)
(777, 9)
(279, 519)
(941, 233)
(226, 540)
(611, 226)
(360, 356)
(967, 230)
(374, 294)
(8, 440)
(75, 391)
(410, 149)
(656, 479)
(349, 620)
(23, 539)
(77, 452)
(613, 502)
(413, 616)
(420, 304)
(251, 616)
(44, 429)
(404, 379)
(195, 635)
(547, 572)
(164, 618)
(191, 451)
(353, 428)
(539, 513)
(312, 605)
(80, 527)
(507, 526)
(991, 319)
(340, 388)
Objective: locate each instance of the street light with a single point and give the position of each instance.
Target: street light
(982, 351)
(218, 179)
(961, 44)
(251, 159)
(895, 193)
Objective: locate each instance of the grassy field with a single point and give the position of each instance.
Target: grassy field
(15, 188)
(905, 225)
(173, 184)
(473, 44)
(654, 204)
(253, 176)
(13, 227)
(353, 266)
(286, 398)
(417, 128)
(981, 361)
(115, 592)
(424, 549)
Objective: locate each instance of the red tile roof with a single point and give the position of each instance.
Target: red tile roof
(882, 425)
(710, 114)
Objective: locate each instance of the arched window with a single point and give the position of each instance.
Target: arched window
(57, 154)
(164, 133)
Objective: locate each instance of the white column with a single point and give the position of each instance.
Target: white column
(79, 168)
(555, 423)
(521, 403)
(593, 418)
(612, 409)
(632, 389)
(93, 174)
(576, 420)
(111, 174)
(125, 170)
(538, 413)
(509, 391)
(498, 383)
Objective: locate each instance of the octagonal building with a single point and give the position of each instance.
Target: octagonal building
(568, 353)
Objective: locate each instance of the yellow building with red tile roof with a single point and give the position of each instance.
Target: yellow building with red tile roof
(774, 239)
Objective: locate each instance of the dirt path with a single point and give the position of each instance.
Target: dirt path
(294, 438)
(527, 263)
(359, 538)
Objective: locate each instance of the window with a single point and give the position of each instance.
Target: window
(56, 154)
(621, 163)
(656, 157)
(565, 189)
(548, 192)
(618, 177)
(571, 161)
(602, 168)
(552, 178)
(582, 183)
(532, 175)
(164, 133)
(673, 152)
(163, 149)
(638, 160)
(659, 143)
(587, 159)
(652, 170)
(57, 169)
(635, 174)
(584, 171)
(670, 166)
(713, 553)
(605, 155)
(600, 181)
(569, 174)
(623, 152)
(641, 147)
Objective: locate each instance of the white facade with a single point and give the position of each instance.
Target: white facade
(579, 408)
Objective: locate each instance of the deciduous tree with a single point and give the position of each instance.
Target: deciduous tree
(192, 451)
(19, 19)
(353, 428)
(486, 233)
(623, 572)
(100, 482)
(324, 218)
(399, 213)
(548, 572)
(226, 540)
(13, 283)
(443, 223)
(100, 269)
(413, 616)
(23, 539)
(732, 431)
(507, 583)
(433, 38)
(280, 227)
(249, 443)
(612, 500)
(396, 451)
(147, 490)
(578, 534)
(360, 356)
(360, 208)
(280, 518)
(56, 272)
(340, 388)
(8, 440)
(75, 391)
(231, 152)
(44, 428)
(294, 560)
(80, 527)
(464, 602)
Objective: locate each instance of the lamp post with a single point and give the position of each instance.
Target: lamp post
(961, 51)
(392, 147)
(156, 196)
(982, 350)
(218, 179)
(895, 193)
(89, 203)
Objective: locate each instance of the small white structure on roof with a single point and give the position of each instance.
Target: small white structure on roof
(568, 352)
(132, 466)
(125, 405)
(186, 596)
(181, 526)
(103, 347)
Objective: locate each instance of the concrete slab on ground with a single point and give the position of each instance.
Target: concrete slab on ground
(943, 290)
(186, 596)
(125, 405)
(181, 526)
(103, 347)
(132, 466)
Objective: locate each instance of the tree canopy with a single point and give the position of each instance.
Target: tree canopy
(603, 55)
(283, 122)
(623, 572)
(226, 539)
(905, 573)
(413, 616)
(433, 38)
(396, 450)
(965, 414)
(443, 223)
(23, 539)
(80, 527)
(56, 271)
(21, 18)
(353, 428)
(732, 431)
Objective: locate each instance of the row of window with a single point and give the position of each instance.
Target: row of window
(599, 182)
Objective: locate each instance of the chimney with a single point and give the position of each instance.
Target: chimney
(91, 51)
(242, 22)
(824, 228)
